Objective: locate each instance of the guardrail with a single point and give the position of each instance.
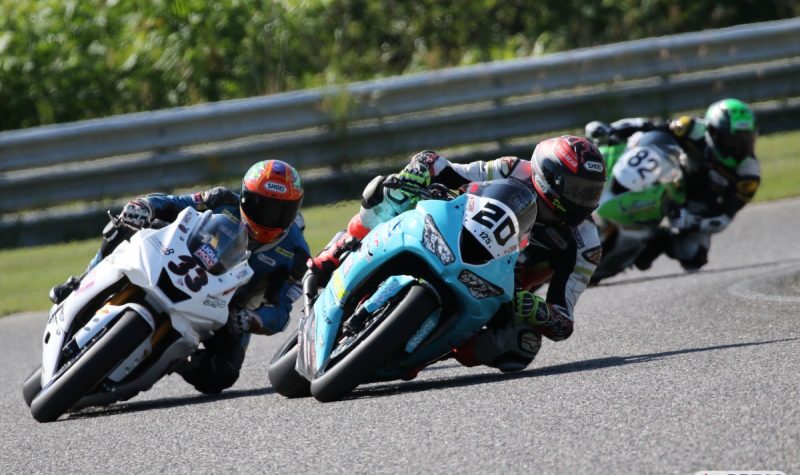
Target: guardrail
(486, 103)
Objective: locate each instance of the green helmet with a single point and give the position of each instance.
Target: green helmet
(730, 131)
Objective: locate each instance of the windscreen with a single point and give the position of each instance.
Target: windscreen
(499, 216)
(220, 243)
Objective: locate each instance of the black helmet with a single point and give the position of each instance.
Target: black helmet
(568, 174)
(730, 131)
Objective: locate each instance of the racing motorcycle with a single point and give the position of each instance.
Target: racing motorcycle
(419, 285)
(644, 187)
(139, 313)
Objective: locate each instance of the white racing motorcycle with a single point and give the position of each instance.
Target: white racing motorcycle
(139, 313)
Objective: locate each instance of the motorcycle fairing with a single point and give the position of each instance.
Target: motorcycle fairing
(395, 238)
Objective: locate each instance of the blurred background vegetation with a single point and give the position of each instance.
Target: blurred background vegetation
(66, 60)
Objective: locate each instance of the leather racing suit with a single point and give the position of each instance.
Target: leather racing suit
(563, 254)
(278, 268)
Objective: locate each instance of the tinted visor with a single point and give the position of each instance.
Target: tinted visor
(737, 145)
(580, 191)
(269, 212)
(574, 198)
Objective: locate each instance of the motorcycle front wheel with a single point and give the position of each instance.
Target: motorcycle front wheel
(32, 385)
(283, 376)
(376, 347)
(91, 367)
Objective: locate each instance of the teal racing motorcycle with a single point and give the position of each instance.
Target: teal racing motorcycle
(419, 285)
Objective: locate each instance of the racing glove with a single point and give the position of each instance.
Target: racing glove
(526, 307)
(240, 320)
(137, 213)
(412, 179)
(685, 220)
(685, 126)
(598, 132)
(265, 320)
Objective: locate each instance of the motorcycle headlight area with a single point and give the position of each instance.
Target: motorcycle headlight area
(433, 241)
(478, 287)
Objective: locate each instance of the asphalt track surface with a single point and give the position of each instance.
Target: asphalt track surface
(667, 372)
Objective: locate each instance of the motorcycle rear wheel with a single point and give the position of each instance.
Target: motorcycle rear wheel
(283, 376)
(385, 341)
(91, 367)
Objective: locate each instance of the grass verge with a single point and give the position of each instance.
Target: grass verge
(28, 273)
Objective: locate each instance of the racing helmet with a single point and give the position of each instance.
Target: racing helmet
(270, 199)
(730, 131)
(568, 175)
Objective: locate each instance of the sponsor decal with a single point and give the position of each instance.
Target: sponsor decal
(557, 203)
(577, 235)
(284, 252)
(541, 184)
(478, 287)
(278, 167)
(593, 255)
(183, 229)
(197, 198)
(207, 255)
(564, 152)
(275, 187)
(266, 259)
(594, 167)
(214, 302)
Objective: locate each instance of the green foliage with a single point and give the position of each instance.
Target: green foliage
(65, 60)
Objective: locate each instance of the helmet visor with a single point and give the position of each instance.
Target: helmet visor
(269, 212)
(581, 191)
(737, 145)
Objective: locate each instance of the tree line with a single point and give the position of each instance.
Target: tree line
(66, 60)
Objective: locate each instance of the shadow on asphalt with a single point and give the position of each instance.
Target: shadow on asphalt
(138, 406)
(388, 389)
(718, 270)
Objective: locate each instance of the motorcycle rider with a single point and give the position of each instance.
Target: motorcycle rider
(268, 205)
(720, 170)
(566, 174)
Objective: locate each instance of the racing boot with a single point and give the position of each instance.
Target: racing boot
(655, 247)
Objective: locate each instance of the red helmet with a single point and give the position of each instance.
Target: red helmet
(271, 197)
(568, 174)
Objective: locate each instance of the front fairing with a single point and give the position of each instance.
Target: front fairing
(634, 208)
(159, 261)
(403, 234)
